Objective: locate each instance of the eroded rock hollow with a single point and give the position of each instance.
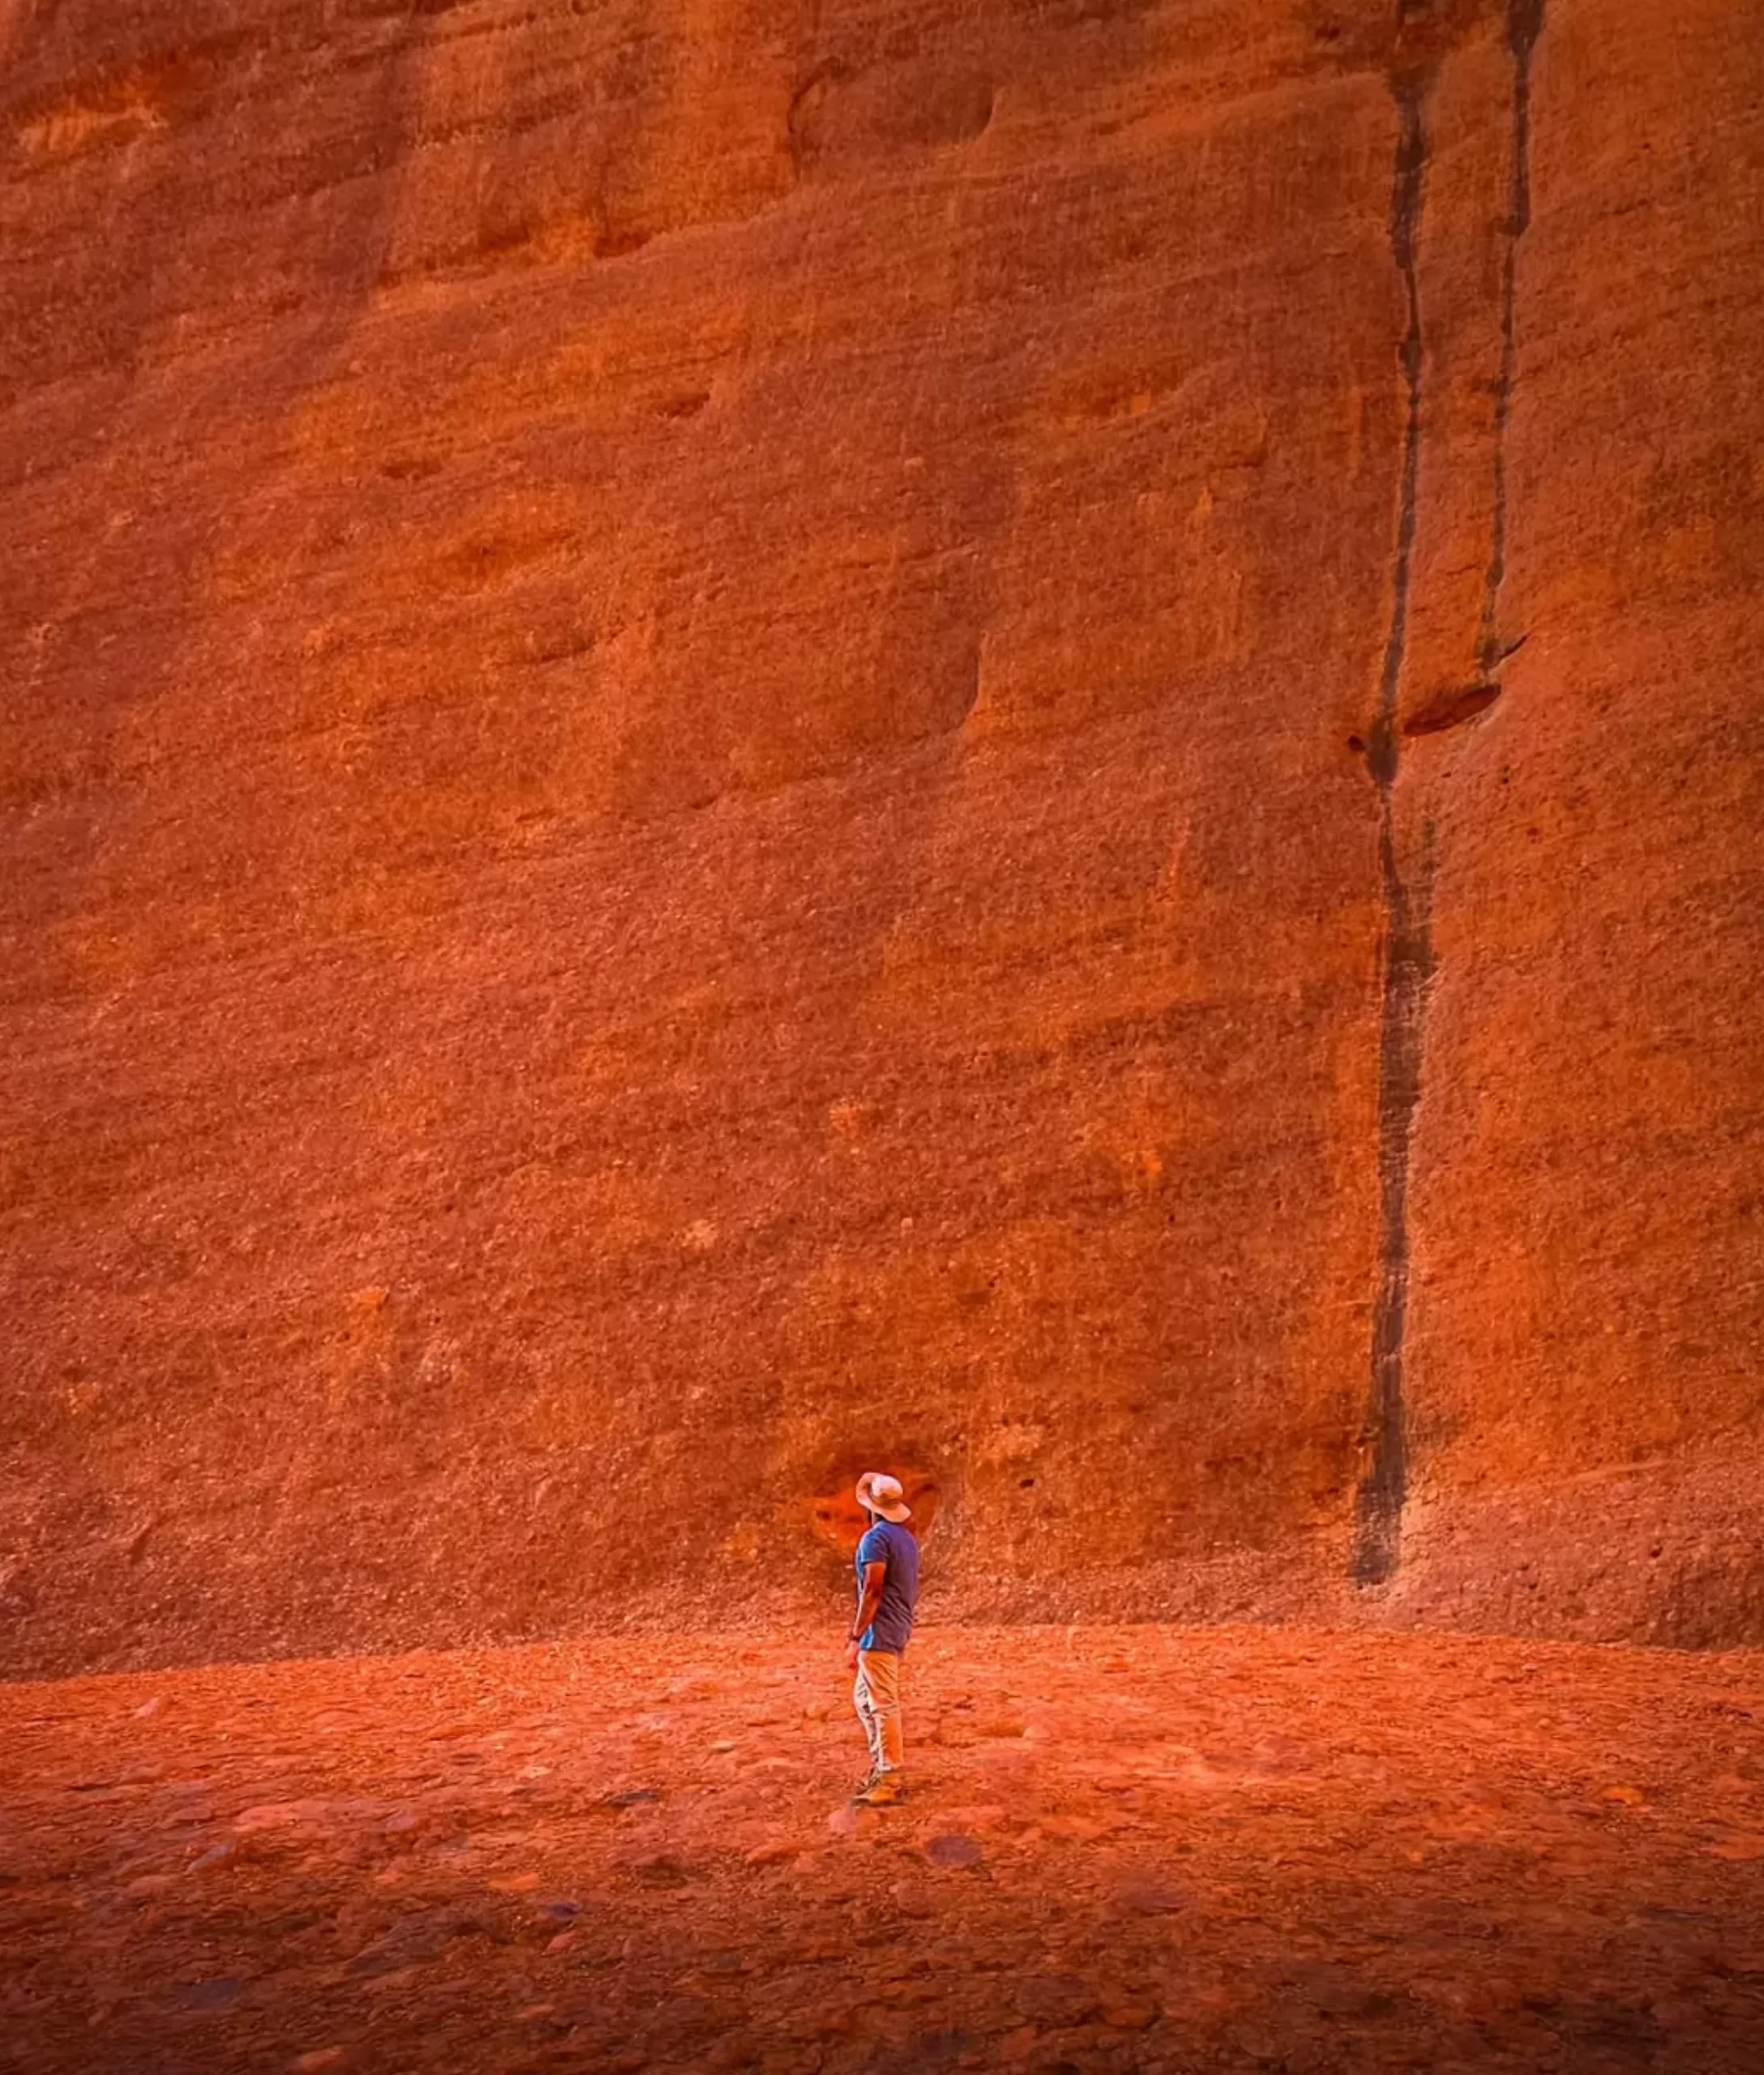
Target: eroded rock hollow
(744, 738)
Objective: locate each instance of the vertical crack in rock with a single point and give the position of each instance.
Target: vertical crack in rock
(1525, 24)
(1407, 961)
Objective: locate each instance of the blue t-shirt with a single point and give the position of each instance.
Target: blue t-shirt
(898, 1548)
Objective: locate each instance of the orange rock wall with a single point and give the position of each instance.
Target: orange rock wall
(742, 738)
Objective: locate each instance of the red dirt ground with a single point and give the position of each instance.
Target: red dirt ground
(1144, 1848)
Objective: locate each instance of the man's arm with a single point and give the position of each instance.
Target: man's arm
(869, 1604)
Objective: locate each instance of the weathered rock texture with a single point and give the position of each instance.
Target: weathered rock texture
(746, 738)
(1125, 1851)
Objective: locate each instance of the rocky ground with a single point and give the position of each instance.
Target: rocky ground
(1140, 1849)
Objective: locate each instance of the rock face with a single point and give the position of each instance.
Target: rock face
(753, 738)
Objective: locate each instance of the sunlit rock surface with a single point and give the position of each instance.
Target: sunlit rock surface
(745, 739)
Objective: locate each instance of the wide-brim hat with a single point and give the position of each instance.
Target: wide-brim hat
(880, 1493)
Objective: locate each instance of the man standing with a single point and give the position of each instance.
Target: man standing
(888, 1592)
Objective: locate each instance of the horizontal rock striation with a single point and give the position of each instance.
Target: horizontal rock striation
(749, 739)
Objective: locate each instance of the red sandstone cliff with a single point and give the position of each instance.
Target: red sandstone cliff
(743, 737)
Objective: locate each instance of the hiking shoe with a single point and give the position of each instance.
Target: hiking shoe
(882, 1792)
